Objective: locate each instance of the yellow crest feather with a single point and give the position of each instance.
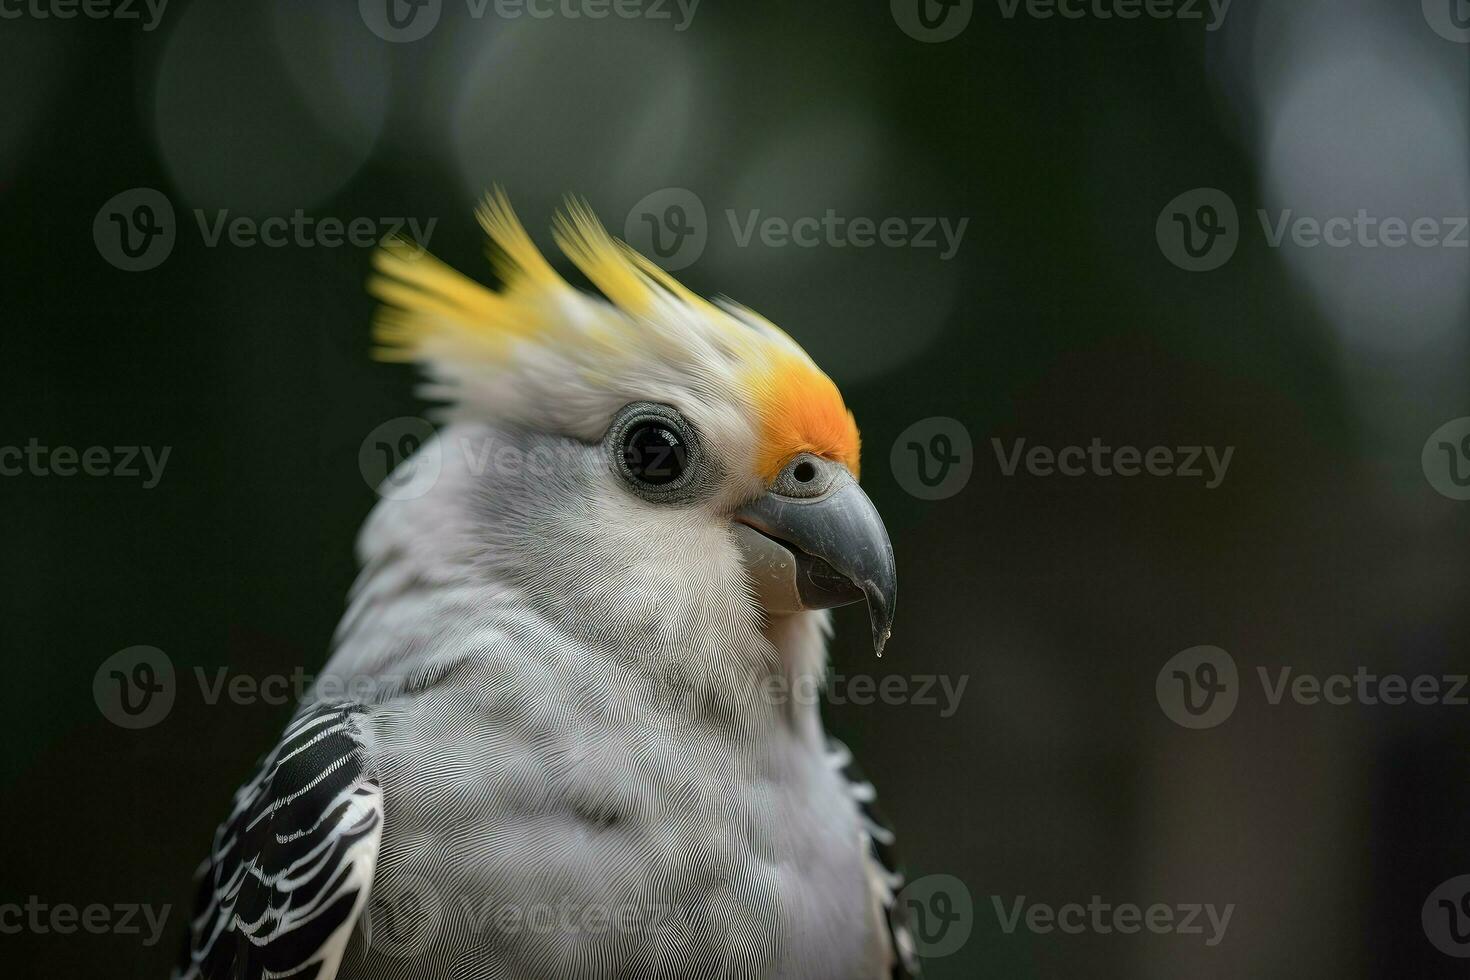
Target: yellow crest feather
(656, 338)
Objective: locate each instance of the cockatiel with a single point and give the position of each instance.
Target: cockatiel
(567, 728)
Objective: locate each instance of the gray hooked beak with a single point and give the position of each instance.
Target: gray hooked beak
(815, 541)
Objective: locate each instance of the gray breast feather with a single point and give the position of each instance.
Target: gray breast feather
(560, 820)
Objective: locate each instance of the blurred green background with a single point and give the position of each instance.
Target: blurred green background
(1059, 317)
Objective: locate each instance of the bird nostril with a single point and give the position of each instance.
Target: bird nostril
(805, 472)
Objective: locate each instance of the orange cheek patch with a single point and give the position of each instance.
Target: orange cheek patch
(801, 411)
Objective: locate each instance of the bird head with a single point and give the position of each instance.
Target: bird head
(701, 434)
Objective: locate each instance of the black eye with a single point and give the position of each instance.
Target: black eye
(657, 453)
(654, 452)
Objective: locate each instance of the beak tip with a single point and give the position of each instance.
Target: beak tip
(880, 611)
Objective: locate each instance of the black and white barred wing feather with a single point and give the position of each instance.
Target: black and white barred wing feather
(290, 870)
(885, 879)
